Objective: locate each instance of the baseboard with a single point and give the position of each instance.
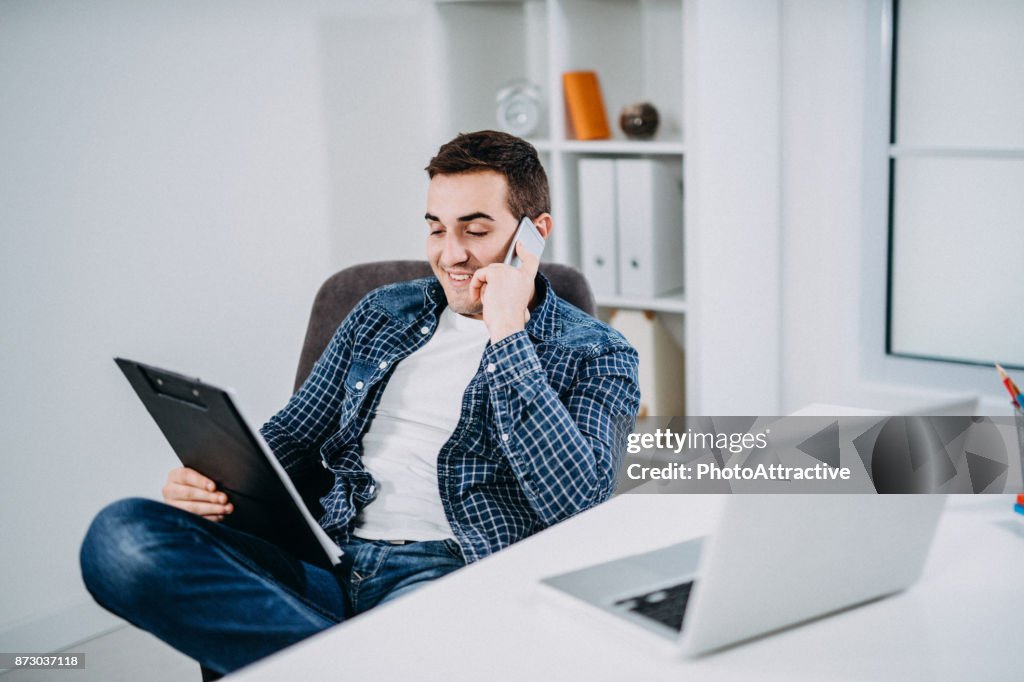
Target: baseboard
(58, 630)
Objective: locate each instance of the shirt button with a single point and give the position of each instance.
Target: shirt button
(383, 364)
(359, 385)
(424, 330)
(491, 367)
(504, 437)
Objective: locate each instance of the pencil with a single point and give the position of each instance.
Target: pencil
(1011, 387)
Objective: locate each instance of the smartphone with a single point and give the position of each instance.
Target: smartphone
(528, 234)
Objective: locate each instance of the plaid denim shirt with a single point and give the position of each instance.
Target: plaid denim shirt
(540, 438)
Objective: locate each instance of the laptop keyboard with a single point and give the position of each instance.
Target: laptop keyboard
(665, 606)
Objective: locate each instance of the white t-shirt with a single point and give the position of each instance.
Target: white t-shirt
(417, 414)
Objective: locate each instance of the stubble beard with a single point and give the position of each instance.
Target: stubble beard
(463, 306)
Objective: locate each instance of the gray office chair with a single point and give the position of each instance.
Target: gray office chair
(336, 298)
(340, 293)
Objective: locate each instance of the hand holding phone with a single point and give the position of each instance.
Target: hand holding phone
(504, 293)
(533, 241)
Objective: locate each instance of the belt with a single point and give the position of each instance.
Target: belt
(390, 542)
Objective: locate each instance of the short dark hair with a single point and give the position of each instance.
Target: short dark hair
(513, 157)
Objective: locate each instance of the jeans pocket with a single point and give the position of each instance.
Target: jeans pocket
(368, 562)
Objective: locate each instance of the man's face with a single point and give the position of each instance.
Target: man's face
(469, 226)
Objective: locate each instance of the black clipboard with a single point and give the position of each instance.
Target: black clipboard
(209, 434)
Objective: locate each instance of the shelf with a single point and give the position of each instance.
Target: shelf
(671, 303)
(670, 148)
(608, 147)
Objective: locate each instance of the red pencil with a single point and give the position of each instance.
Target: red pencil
(1015, 393)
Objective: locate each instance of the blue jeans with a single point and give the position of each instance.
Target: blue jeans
(227, 598)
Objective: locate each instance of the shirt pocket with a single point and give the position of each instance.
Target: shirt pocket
(360, 375)
(355, 388)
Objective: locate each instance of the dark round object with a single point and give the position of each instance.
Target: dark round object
(639, 121)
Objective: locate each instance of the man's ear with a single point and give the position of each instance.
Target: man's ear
(544, 224)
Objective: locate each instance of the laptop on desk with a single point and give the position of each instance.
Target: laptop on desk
(774, 561)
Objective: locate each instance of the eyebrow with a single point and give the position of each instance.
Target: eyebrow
(462, 219)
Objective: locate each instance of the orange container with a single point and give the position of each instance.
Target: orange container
(585, 106)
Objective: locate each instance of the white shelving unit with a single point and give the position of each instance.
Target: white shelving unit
(636, 48)
(712, 69)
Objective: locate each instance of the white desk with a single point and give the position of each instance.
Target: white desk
(492, 621)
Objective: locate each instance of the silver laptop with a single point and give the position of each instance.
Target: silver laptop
(773, 561)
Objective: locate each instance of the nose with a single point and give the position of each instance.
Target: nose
(454, 251)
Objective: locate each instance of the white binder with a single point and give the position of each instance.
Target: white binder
(649, 210)
(598, 236)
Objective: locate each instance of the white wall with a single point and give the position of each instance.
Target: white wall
(176, 179)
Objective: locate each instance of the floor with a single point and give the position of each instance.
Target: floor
(119, 656)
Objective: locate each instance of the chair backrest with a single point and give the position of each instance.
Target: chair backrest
(340, 293)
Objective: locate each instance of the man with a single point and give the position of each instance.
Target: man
(458, 414)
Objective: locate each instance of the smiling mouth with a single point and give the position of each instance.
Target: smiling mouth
(459, 278)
